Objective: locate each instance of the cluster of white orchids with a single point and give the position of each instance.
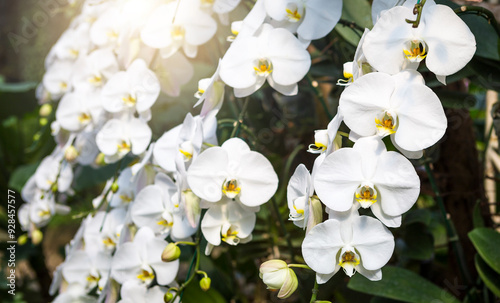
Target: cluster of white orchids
(109, 68)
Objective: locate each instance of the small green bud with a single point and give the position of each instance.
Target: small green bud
(99, 160)
(22, 239)
(54, 187)
(114, 187)
(168, 297)
(205, 283)
(70, 154)
(43, 121)
(36, 236)
(171, 253)
(45, 110)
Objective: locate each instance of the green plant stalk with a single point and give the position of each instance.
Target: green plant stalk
(283, 228)
(299, 266)
(417, 10)
(196, 257)
(450, 229)
(236, 128)
(320, 97)
(480, 11)
(314, 291)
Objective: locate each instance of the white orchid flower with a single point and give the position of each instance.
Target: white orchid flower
(210, 93)
(108, 28)
(128, 187)
(75, 293)
(234, 171)
(305, 208)
(73, 43)
(57, 78)
(328, 140)
(173, 72)
(137, 88)
(400, 106)
(92, 71)
(43, 208)
(90, 270)
(86, 147)
(140, 260)
(221, 7)
(102, 232)
(363, 245)
(273, 54)
(51, 172)
(369, 175)
(157, 208)
(380, 6)
(78, 110)
(117, 138)
(178, 24)
(185, 141)
(442, 38)
(359, 66)
(132, 292)
(310, 19)
(227, 221)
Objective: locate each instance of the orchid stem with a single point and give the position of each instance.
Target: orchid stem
(314, 291)
(196, 261)
(299, 266)
(236, 128)
(417, 10)
(450, 229)
(320, 97)
(283, 228)
(480, 11)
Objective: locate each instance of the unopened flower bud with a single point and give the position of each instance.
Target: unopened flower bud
(315, 214)
(277, 275)
(99, 160)
(45, 110)
(205, 283)
(36, 236)
(22, 239)
(168, 297)
(43, 121)
(71, 153)
(114, 187)
(54, 187)
(171, 253)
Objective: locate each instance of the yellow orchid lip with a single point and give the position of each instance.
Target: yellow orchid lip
(263, 67)
(386, 123)
(231, 188)
(366, 195)
(415, 50)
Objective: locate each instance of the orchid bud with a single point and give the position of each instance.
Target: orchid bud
(99, 160)
(22, 239)
(205, 283)
(171, 253)
(71, 153)
(115, 187)
(36, 237)
(43, 121)
(277, 275)
(316, 212)
(45, 110)
(168, 297)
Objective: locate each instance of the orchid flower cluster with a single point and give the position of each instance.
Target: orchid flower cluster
(111, 65)
(384, 97)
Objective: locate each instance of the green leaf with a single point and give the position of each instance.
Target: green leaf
(482, 30)
(419, 242)
(455, 99)
(487, 243)
(423, 216)
(17, 87)
(488, 275)
(477, 218)
(194, 294)
(359, 12)
(403, 285)
(21, 175)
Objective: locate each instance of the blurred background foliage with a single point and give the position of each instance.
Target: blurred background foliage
(423, 268)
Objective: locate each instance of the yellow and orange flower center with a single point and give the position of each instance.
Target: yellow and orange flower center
(415, 50)
(230, 188)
